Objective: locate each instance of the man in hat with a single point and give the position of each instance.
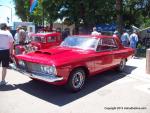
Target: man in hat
(6, 49)
(116, 34)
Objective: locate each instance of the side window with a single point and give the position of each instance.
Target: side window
(106, 44)
(51, 39)
(37, 39)
(43, 39)
(108, 41)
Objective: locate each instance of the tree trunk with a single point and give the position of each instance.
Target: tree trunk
(119, 15)
(51, 27)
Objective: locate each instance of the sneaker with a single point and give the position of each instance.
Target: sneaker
(3, 82)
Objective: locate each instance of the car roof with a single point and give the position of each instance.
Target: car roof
(46, 34)
(95, 36)
(102, 37)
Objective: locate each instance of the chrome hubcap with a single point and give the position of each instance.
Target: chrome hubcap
(122, 64)
(78, 80)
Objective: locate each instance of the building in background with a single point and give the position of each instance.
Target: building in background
(30, 26)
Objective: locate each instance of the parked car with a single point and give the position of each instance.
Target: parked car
(77, 58)
(37, 41)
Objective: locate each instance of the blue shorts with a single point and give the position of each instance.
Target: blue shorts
(4, 58)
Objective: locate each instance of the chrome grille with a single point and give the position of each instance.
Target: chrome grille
(33, 67)
(34, 70)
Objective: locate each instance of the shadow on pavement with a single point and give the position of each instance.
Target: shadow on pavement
(128, 69)
(7, 87)
(60, 96)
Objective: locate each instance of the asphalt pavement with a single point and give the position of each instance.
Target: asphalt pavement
(108, 92)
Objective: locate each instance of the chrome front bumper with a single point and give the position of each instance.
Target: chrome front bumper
(46, 78)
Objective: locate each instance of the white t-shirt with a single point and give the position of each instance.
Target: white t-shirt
(16, 37)
(6, 39)
(95, 33)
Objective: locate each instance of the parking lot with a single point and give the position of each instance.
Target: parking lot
(108, 92)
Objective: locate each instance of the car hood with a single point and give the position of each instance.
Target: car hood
(56, 56)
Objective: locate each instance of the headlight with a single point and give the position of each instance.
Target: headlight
(49, 69)
(21, 63)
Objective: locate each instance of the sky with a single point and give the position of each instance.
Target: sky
(6, 10)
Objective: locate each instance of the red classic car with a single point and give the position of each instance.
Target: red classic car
(39, 41)
(75, 59)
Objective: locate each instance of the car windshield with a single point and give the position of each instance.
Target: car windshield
(80, 42)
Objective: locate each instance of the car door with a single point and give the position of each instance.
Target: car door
(104, 55)
(116, 52)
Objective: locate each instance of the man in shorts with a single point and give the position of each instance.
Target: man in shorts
(6, 49)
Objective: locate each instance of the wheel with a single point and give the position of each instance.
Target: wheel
(122, 65)
(76, 80)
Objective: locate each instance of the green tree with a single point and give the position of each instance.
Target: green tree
(119, 15)
(87, 13)
(135, 12)
(51, 10)
(22, 9)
